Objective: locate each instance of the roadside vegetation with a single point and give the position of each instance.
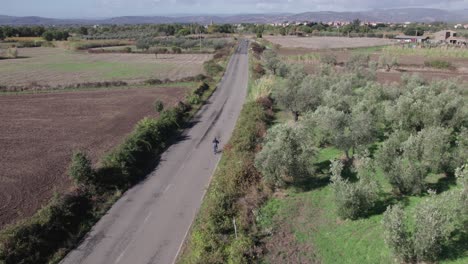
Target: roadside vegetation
(58, 227)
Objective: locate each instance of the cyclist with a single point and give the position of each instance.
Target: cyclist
(215, 145)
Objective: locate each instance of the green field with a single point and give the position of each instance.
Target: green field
(55, 66)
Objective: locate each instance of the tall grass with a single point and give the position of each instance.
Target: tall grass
(261, 88)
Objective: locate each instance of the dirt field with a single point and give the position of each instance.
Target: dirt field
(326, 42)
(55, 66)
(38, 134)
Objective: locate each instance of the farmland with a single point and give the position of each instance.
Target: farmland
(55, 66)
(292, 42)
(40, 132)
(410, 60)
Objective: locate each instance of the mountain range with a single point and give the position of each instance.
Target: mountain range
(380, 15)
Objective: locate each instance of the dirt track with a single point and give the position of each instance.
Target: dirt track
(38, 134)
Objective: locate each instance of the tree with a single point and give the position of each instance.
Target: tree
(83, 31)
(2, 34)
(287, 154)
(272, 62)
(143, 44)
(414, 31)
(344, 131)
(388, 62)
(48, 35)
(354, 200)
(406, 163)
(289, 93)
(81, 170)
(397, 234)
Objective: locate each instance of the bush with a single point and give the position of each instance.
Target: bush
(158, 106)
(81, 170)
(354, 200)
(176, 50)
(329, 59)
(212, 68)
(58, 224)
(12, 53)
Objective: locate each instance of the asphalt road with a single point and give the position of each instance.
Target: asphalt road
(150, 222)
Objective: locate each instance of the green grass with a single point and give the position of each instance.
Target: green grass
(311, 217)
(440, 52)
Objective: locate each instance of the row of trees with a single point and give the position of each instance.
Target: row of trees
(180, 42)
(407, 132)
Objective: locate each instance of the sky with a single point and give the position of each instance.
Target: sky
(111, 8)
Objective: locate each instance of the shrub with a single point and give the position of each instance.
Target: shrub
(354, 200)
(81, 170)
(212, 68)
(357, 62)
(58, 224)
(153, 81)
(176, 50)
(158, 106)
(12, 53)
(328, 59)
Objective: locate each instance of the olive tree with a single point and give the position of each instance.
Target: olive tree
(407, 160)
(290, 95)
(345, 131)
(354, 200)
(287, 154)
(397, 234)
(388, 62)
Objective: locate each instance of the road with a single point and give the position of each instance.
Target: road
(151, 220)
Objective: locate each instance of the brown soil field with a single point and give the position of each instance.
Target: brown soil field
(326, 42)
(55, 66)
(39, 132)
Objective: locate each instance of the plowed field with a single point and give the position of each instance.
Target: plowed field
(39, 132)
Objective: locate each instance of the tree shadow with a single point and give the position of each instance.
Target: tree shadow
(457, 246)
(17, 58)
(443, 184)
(385, 201)
(320, 178)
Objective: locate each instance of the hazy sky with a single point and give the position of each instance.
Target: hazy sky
(109, 8)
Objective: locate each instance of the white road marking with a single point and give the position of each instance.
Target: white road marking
(147, 217)
(168, 187)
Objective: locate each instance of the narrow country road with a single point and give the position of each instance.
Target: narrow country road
(149, 223)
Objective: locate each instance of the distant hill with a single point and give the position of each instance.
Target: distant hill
(380, 15)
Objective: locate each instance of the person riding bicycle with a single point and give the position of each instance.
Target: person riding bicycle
(215, 145)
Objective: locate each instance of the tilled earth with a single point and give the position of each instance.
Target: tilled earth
(39, 133)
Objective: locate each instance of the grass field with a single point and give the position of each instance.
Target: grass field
(309, 220)
(54, 66)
